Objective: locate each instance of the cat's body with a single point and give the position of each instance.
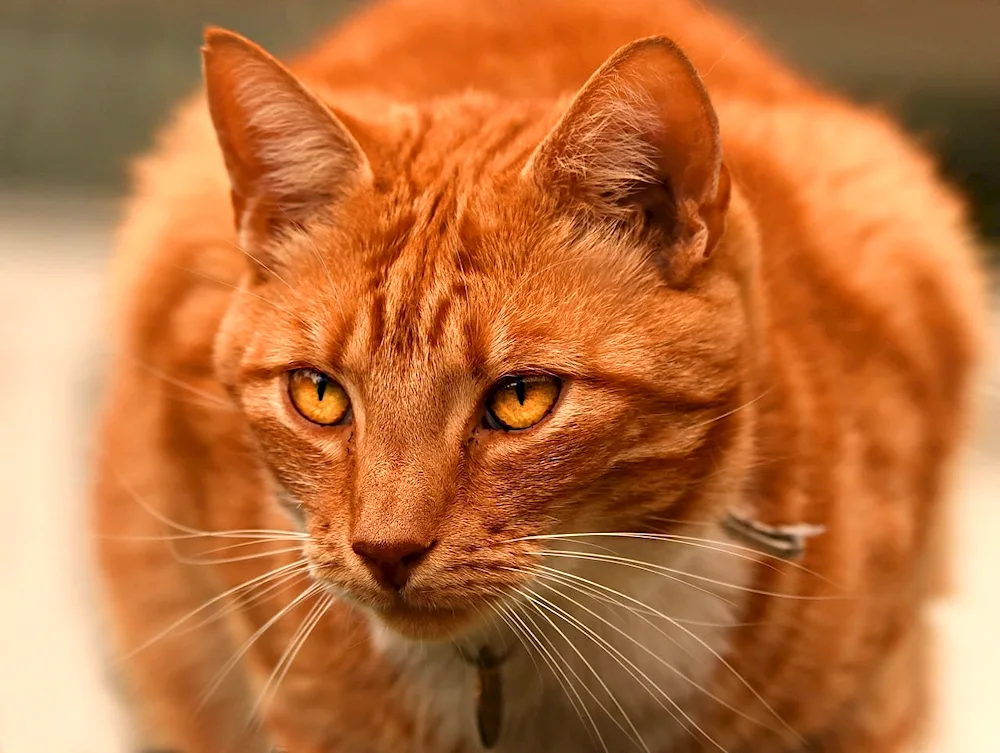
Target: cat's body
(813, 369)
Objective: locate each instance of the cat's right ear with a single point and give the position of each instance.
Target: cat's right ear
(286, 153)
(640, 142)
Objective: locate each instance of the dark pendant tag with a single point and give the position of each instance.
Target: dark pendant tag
(489, 698)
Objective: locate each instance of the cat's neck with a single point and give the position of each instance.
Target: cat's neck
(601, 656)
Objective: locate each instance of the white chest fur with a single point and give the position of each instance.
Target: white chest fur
(606, 655)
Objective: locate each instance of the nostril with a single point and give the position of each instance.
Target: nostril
(413, 558)
(391, 562)
(396, 552)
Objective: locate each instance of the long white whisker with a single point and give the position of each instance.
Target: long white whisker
(659, 659)
(259, 542)
(561, 677)
(172, 523)
(646, 567)
(502, 612)
(638, 611)
(277, 572)
(735, 410)
(680, 575)
(703, 644)
(241, 558)
(261, 593)
(265, 536)
(245, 291)
(295, 645)
(216, 400)
(332, 287)
(723, 547)
(589, 587)
(248, 644)
(629, 666)
(632, 731)
(261, 264)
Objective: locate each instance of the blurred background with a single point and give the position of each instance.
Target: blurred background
(84, 84)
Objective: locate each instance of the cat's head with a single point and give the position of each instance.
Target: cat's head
(470, 324)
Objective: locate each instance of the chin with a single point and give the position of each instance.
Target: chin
(418, 616)
(428, 624)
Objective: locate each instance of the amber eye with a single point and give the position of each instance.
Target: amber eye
(318, 398)
(520, 402)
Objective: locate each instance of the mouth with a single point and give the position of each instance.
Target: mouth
(428, 624)
(418, 621)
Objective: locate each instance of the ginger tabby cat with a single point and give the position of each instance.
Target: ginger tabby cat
(443, 356)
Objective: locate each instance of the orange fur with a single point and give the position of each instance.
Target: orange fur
(756, 296)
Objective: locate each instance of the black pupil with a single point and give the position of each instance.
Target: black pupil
(320, 388)
(519, 390)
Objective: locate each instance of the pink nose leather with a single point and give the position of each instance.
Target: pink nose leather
(392, 562)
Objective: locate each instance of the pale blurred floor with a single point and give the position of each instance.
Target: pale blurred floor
(53, 693)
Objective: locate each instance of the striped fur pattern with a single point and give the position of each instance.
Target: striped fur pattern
(756, 297)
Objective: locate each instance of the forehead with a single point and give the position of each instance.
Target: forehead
(428, 277)
(449, 283)
(453, 262)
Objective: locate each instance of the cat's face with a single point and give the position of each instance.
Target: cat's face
(448, 356)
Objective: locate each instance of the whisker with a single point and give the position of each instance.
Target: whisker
(723, 547)
(634, 732)
(501, 611)
(644, 610)
(590, 587)
(700, 642)
(234, 534)
(261, 264)
(188, 529)
(735, 410)
(277, 572)
(247, 537)
(647, 567)
(203, 404)
(680, 575)
(242, 544)
(295, 645)
(567, 687)
(215, 400)
(260, 594)
(320, 258)
(681, 675)
(605, 599)
(227, 560)
(242, 289)
(629, 666)
(248, 644)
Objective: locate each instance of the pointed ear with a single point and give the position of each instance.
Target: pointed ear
(641, 142)
(286, 153)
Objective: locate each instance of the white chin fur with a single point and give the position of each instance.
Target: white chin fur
(539, 713)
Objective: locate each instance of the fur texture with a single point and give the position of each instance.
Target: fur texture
(754, 294)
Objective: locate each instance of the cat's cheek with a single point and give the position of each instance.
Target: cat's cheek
(309, 464)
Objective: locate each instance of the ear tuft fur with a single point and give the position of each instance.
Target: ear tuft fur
(641, 138)
(285, 151)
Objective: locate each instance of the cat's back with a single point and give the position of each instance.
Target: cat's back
(419, 49)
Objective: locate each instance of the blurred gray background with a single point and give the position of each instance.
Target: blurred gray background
(83, 85)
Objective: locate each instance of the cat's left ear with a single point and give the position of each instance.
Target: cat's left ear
(640, 142)
(286, 153)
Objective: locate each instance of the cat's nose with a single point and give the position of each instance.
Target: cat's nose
(392, 562)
